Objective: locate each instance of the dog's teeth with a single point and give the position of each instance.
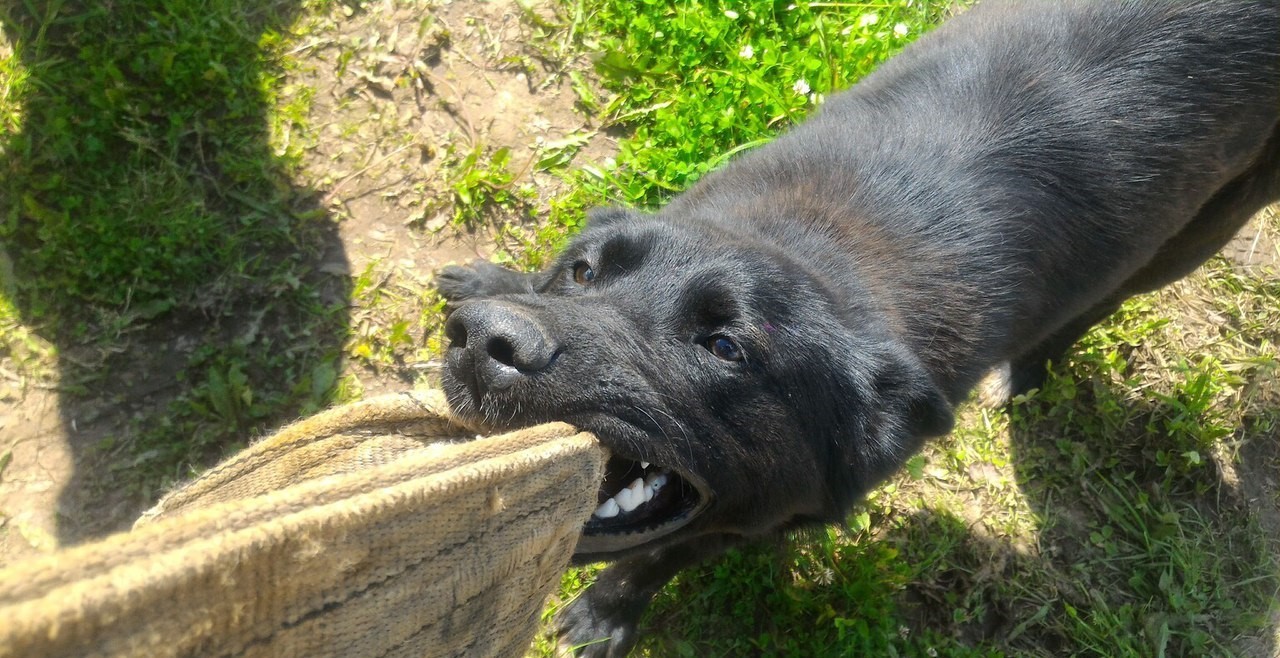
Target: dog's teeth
(627, 500)
(631, 497)
(644, 465)
(639, 492)
(607, 510)
(637, 488)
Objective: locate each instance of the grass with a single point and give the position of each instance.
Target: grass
(704, 81)
(153, 222)
(147, 195)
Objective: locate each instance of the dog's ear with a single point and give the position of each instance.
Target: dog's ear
(911, 398)
(910, 408)
(887, 406)
(597, 217)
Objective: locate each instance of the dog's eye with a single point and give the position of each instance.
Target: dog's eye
(724, 348)
(582, 273)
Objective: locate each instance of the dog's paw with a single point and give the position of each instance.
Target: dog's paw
(586, 629)
(996, 389)
(457, 283)
(1007, 382)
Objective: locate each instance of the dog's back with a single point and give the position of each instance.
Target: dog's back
(1031, 164)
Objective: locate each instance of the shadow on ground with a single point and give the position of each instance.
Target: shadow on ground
(1145, 500)
(186, 294)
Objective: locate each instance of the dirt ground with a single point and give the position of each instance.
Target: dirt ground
(396, 95)
(398, 90)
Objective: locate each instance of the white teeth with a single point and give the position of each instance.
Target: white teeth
(627, 501)
(644, 465)
(648, 491)
(607, 510)
(631, 497)
(639, 492)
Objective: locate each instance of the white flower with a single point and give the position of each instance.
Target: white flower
(868, 19)
(801, 87)
(901, 29)
(747, 52)
(730, 14)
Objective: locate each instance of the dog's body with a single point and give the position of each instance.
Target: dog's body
(784, 335)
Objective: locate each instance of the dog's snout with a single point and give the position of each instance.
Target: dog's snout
(502, 342)
(455, 329)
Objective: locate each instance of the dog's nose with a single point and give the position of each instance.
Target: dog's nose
(503, 342)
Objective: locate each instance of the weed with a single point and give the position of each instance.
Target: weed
(148, 196)
(699, 81)
(481, 182)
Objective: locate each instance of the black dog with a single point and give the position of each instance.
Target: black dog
(781, 337)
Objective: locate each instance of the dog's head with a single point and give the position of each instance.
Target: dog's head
(722, 375)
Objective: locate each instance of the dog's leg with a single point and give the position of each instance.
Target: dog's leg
(602, 621)
(458, 283)
(1031, 368)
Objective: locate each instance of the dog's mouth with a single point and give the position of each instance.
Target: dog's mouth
(639, 502)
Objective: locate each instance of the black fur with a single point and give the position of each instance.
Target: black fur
(984, 197)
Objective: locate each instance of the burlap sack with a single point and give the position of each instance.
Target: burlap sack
(367, 530)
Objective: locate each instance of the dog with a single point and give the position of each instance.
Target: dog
(781, 337)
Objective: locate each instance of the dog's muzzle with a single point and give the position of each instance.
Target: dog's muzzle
(500, 344)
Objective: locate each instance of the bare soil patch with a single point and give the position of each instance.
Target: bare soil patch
(391, 96)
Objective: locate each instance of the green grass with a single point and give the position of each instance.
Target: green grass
(699, 82)
(151, 153)
(148, 193)
(160, 111)
(695, 83)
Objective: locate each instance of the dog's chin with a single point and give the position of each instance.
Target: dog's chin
(639, 502)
